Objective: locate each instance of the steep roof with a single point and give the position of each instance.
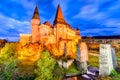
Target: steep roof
(59, 15)
(36, 13)
(47, 23)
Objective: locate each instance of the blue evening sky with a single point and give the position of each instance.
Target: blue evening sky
(93, 17)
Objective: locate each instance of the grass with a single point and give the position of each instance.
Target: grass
(59, 72)
(93, 60)
(113, 76)
(118, 57)
(94, 51)
(72, 69)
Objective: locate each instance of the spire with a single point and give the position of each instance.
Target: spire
(36, 13)
(59, 15)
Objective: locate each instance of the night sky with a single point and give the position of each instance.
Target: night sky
(92, 17)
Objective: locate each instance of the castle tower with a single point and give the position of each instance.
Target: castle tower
(35, 22)
(59, 25)
(59, 16)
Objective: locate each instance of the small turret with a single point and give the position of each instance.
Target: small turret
(77, 31)
(36, 17)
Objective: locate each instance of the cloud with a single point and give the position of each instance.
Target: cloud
(3, 31)
(27, 4)
(112, 22)
(98, 17)
(12, 23)
(12, 27)
(64, 4)
(117, 31)
(90, 12)
(98, 31)
(10, 38)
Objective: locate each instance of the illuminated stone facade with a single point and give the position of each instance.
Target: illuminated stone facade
(25, 38)
(60, 29)
(59, 34)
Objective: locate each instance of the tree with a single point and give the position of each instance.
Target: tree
(45, 67)
(58, 72)
(7, 70)
(8, 52)
(8, 62)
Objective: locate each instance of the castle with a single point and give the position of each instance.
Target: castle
(61, 30)
(60, 39)
(59, 34)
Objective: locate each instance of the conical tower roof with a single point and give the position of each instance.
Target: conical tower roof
(59, 16)
(36, 13)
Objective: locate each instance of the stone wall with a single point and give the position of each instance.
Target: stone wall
(84, 52)
(25, 38)
(105, 60)
(82, 56)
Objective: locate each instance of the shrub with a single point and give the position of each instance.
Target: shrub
(8, 52)
(45, 67)
(8, 69)
(114, 75)
(58, 72)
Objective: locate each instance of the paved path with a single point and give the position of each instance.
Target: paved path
(94, 54)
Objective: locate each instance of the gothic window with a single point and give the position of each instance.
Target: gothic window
(54, 30)
(64, 30)
(60, 30)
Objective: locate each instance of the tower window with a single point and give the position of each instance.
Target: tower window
(60, 30)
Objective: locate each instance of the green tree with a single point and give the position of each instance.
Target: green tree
(7, 70)
(8, 62)
(8, 52)
(45, 67)
(58, 72)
